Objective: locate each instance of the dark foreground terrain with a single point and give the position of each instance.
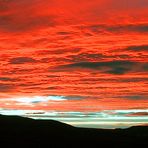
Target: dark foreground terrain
(24, 132)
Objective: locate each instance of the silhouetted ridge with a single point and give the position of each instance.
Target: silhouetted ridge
(16, 131)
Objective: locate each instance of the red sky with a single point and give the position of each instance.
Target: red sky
(93, 54)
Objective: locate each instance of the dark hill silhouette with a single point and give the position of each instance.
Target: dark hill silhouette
(18, 131)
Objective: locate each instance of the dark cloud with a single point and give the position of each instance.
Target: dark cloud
(145, 67)
(52, 88)
(101, 28)
(65, 33)
(119, 70)
(138, 48)
(133, 80)
(111, 67)
(6, 87)
(135, 97)
(138, 114)
(22, 60)
(8, 79)
(36, 102)
(143, 28)
(85, 57)
(35, 113)
(74, 97)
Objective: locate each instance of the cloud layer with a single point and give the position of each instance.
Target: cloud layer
(80, 56)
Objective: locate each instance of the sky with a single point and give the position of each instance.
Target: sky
(81, 62)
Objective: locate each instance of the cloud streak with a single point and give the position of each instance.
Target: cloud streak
(118, 28)
(22, 60)
(111, 67)
(6, 87)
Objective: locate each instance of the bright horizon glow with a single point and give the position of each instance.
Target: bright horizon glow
(38, 99)
(103, 119)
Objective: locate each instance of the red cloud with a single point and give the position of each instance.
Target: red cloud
(20, 16)
(38, 37)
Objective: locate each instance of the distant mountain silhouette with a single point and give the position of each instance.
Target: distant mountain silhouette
(18, 131)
